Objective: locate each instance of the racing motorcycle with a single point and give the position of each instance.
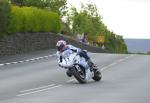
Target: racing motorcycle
(78, 67)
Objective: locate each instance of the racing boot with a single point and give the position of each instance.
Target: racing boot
(91, 64)
(68, 72)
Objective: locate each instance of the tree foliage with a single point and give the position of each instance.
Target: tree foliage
(86, 20)
(89, 20)
(32, 19)
(4, 13)
(148, 53)
(57, 6)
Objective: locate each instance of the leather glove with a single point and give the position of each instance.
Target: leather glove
(60, 65)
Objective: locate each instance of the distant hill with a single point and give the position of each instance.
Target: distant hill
(138, 45)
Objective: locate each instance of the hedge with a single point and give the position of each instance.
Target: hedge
(4, 13)
(32, 19)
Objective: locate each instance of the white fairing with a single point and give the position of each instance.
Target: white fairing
(81, 61)
(70, 58)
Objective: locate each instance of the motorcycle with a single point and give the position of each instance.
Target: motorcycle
(78, 67)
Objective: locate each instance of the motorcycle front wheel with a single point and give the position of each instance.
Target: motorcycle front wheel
(79, 73)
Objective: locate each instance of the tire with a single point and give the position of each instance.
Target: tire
(79, 73)
(97, 75)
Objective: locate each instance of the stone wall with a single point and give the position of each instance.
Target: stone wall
(28, 42)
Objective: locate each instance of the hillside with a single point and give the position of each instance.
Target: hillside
(138, 45)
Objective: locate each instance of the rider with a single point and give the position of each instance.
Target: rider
(62, 46)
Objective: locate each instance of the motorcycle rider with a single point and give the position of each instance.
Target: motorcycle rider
(62, 46)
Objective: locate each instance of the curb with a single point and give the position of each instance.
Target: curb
(28, 60)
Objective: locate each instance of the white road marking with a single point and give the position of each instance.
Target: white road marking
(19, 62)
(115, 63)
(32, 59)
(7, 63)
(71, 80)
(40, 57)
(46, 56)
(120, 60)
(37, 88)
(102, 69)
(28, 60)
(52, 86)
(14, 62)
(28, 93)
(1, 64)
(127, 56)
(112, 64)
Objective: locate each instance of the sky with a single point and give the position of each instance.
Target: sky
(129, 18)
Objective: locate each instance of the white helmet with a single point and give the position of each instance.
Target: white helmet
(61, 44)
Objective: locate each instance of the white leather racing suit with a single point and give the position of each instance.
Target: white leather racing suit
(64, 61)
(62, 56)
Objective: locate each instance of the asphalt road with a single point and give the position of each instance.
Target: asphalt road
(125, 80)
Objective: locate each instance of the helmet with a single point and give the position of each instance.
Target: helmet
(61, 44)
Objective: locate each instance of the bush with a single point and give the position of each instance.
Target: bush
(4, 13)
(31, 19)
(148, 53)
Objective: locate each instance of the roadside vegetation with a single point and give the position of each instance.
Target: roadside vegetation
(4, 14)
(31, 19)
(148, 53)
(56, 16)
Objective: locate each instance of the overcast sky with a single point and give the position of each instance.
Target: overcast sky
(130, 18)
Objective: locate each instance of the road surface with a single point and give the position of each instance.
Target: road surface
(125, 80)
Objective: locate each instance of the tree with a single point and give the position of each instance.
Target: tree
(37, 3)
(57, 6)
(89, 20)
(4, 13)
(86, 20)
(148, 53)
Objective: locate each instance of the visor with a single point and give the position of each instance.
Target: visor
(60, 48)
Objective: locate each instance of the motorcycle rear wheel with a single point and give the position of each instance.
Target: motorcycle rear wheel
(97, 75)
